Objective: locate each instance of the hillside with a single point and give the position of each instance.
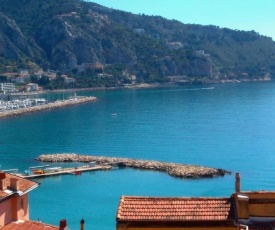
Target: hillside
(63, 35)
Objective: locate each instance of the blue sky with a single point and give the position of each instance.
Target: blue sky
(258, 15)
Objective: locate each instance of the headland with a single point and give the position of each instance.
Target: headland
(48, 106)
(173, 169)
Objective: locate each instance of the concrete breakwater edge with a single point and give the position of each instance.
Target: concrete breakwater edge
(48, 106)
(173, 169)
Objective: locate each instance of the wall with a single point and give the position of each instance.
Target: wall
(13, 209)
(262, 204)
(5, 212)
(20, 207)
(257, 204)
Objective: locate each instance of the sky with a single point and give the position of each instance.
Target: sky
(257, 15)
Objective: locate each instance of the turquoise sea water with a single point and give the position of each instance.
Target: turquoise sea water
(227, 126)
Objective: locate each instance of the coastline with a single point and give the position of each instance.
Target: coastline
(80, 100)
(49, 106)
(173, 169)
(159, 85)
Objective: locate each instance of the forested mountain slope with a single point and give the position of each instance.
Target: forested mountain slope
(64, 34)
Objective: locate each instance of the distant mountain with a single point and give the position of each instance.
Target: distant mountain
(63, 35)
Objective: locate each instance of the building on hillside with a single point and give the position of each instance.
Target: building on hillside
(85, 67)
(22, 79)
(32, 87)
(139, 30)
(38, 74)
(51, 74)
(175, 45)
(243, 210)
(69, 80)
(201, 53)
(7, 87)
(179, 79)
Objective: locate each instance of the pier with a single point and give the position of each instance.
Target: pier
(75, 171)
(48, 106)
(173, 169)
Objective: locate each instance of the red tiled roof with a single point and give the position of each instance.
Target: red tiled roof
(28, 225)
(174, 209)
(24, 184)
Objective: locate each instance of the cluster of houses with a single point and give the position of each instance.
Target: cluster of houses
(242, 210)
(10, 87)
(23, 78)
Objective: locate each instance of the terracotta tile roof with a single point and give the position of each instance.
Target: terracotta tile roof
(28, 225)
(174, 209)
(24, 185)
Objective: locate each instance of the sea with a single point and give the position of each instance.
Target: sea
(227, 126)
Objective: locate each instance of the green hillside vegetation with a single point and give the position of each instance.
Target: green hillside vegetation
(64, 34)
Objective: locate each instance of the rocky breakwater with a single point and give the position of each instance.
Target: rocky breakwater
(48, 106)
(173, 169)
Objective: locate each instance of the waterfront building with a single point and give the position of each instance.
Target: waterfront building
(31, 87)
(243, 210)
(7, 87)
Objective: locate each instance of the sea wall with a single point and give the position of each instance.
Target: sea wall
(173, 169)
(49, 106)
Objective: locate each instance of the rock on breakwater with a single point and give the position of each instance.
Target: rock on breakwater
(173, 169)
(49, 106)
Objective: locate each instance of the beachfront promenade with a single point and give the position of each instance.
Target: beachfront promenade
(173, 169)
(48, 106)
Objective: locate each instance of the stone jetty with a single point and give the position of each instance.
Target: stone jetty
(48, 106)
(173, 169)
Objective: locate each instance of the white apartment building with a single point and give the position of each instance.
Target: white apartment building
(7, 87)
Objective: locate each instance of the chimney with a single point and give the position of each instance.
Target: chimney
(82, 224)
(14, 184)
(237, 183)
(3, 181)
(63, 225)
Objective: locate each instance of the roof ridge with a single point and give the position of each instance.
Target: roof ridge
(45, 224)
(168, 197)
(119, 210)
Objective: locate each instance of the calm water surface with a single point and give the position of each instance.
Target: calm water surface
(229, 126)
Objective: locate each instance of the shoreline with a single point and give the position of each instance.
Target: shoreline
(80, 100)
(49, 106)
(173, 169)
(156, 85)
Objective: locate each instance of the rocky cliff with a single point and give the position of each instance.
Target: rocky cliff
(64, 34)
